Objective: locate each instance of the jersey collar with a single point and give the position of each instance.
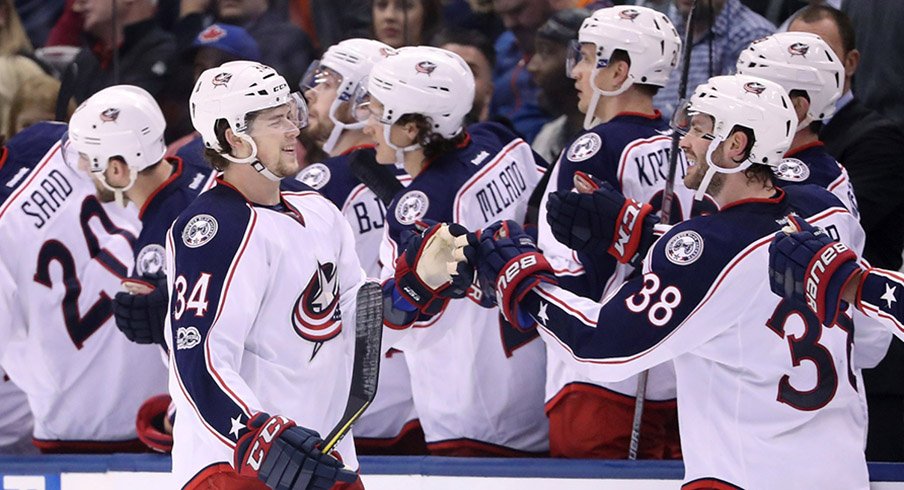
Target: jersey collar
(176, 162)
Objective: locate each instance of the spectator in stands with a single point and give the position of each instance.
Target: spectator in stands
(405, 22)
(125, 48)
(14, 71)
(215, 45)
(38, 16)
(478, 53)
(35, 101)
(326, 22)
(288, 49)
(13, 39)
(871, 148)
(515, 97)
(557, 94)
(879, 81)
(721, 30)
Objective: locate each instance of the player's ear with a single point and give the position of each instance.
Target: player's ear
(234, 141)
(621, 72)
(411, 131)
(801, 106)
(736, 145)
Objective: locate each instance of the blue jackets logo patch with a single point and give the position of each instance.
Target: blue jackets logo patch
(199, 230)
(411, 207)
(316, 176)
(792, 170)
(684, 248)
(585, 147)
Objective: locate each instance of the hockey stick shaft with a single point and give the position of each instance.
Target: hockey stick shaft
(366, 369)
(668, 195)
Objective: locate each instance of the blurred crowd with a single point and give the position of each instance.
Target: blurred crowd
(55, 54)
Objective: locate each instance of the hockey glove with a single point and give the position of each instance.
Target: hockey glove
(426, 275)
(150, 426)
(508, 259)
(140, 313)
(807, 266)
(286, 456)
(603, 220)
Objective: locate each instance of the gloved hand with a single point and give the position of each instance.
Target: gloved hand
(150, 426)
(807, 266)
(509, 264)
(426, 275)
(140, 312)
(286, 456)
(601, 221)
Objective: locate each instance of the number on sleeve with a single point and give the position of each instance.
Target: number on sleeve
(661, 310)
(197, 300)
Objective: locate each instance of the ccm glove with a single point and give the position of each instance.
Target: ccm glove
(603, 220)
(427, 275)
(808, 267)
(286, 456)
(508, 259)
(140, 316)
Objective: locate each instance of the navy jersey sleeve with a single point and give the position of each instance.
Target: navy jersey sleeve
(217, 276)
(676, 305)
(879, 297)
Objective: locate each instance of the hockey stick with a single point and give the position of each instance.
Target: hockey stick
(378, 178)
(366, 370)
(668, 195)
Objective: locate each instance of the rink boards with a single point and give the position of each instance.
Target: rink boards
(150, 472)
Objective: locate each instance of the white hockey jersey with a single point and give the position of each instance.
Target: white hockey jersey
(67, 254)
(262, 316)
(477, 381)
(765, 392)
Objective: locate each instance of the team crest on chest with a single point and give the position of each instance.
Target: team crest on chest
(316, 316)
(316, 176)
(411, 207)
(684, 248)
(149, 260)
(585, 147)
(792, 170)
(199, 230)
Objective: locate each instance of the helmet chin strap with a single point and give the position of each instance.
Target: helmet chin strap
(590, 119)
(117, 191)
(252, 159)
(399, 151)
(338, 127)
(804, 123)
(715, 168)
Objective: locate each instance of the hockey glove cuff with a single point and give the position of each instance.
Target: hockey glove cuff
(284, 455)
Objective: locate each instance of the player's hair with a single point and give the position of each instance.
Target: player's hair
(215, 158)
(756, 172)
(433, 143)
(622, 55)
(815, 13)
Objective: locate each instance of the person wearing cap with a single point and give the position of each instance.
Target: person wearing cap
(217, 44)
(557, 94)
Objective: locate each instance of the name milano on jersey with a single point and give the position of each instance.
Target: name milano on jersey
(67, 254)
(488, 178)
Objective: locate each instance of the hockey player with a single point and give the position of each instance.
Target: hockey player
(811, 268)
(256, 328)
(125, 157)
(622, 57)
(418, 99)
(67, 254)
(807, 68)
(390, 425)
(764, 390)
